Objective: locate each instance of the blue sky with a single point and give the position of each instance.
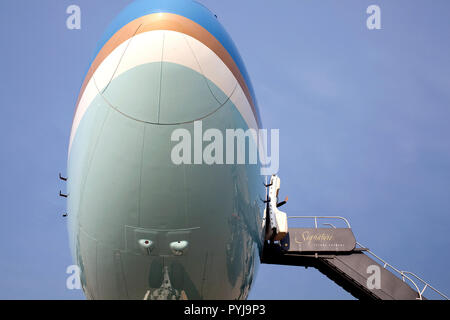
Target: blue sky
(363, 118)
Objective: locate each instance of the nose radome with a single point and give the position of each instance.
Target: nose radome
(164, 77)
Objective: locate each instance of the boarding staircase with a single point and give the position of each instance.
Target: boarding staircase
(335, 252)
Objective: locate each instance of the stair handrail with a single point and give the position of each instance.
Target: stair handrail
(404, 276)
(426, 285)
(401, 273)
(316, 218)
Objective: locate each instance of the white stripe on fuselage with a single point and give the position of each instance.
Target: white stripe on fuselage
(179, 48)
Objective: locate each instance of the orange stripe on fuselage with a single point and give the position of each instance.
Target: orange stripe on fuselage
(172, 22)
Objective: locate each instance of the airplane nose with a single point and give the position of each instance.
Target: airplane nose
(164, 77)
(141, 225)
